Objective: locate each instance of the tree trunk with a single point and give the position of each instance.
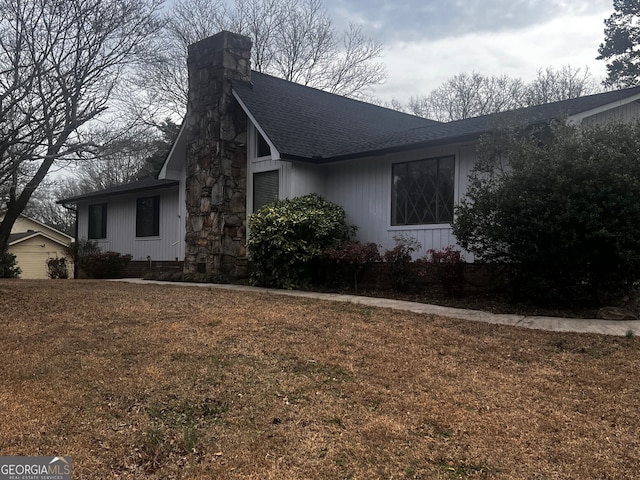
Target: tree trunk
(17, 205)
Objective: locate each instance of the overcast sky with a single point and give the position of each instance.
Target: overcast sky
(428, 41)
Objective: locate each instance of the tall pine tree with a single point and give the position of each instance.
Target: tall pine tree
(621, 47)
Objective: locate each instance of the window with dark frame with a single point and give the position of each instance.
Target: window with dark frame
(266, 188)
(97, 221)
(422, 191)
(262, 147)
(148, 217)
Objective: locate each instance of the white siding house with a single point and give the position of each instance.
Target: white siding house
(120, 234)
(394, 174)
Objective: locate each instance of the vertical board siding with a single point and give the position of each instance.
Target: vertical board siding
(363, 188)
(625, 113)
(121, 227)
(305, 179)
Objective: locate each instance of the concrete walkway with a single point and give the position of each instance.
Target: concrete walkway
(556, 324)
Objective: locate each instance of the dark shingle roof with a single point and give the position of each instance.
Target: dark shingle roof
(472, 128)
(139, 186)
(14, 237)
(309, 124)
(305, 123)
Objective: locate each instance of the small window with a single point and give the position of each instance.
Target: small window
(148, 217)
(262, 147)
(423, 191)
(97, 221)
(266, 188)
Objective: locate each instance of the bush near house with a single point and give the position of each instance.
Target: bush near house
(57, 268)
(559, 209)
(401, 268)
(447, 265)
(104, 264)
(342, 265)
(95, 263)
(8, 267)
(285, 236)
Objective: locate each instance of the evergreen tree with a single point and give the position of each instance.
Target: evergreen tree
(620, 48)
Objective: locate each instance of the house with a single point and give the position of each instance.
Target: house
(249, 138)
(33, 243)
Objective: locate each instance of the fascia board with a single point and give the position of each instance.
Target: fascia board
(38, 234)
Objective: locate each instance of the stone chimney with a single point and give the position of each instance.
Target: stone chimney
(216, 162)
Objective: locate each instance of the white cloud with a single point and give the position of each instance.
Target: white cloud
(416, 68)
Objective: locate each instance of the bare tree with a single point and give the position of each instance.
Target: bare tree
(464, 96)
(292, 39)
(59, 64)
(553, 85)
(42, 205)
(125, 157)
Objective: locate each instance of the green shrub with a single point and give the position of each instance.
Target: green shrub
(285, 236)
(559, 209)
(8, 267)
(402, 269)
(344, 263)
(104, 264)
(57, 268)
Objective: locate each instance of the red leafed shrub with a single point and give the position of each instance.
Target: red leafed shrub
(400, 265)
(349, 260)
(448, 265)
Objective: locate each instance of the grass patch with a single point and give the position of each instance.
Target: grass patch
(138, 381)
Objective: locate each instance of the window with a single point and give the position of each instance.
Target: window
(262, 147)
(422, 191)
(148, 217)
(266, 188)
(97, 221)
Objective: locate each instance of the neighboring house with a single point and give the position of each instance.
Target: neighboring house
(249, 139)
(33, 243)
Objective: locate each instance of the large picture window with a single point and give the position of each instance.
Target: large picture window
(148, 217)
(423, 191)
(266, 188)
(97, 221)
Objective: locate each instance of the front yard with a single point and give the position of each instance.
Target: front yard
(161, 382)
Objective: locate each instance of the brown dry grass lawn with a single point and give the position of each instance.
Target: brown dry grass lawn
(161, 382)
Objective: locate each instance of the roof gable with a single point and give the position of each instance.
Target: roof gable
(16, 238)
(306, 123)
(31, 225)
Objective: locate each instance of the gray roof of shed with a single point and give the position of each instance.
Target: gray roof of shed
(15, 237)
(306, 123)
(311, 125)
